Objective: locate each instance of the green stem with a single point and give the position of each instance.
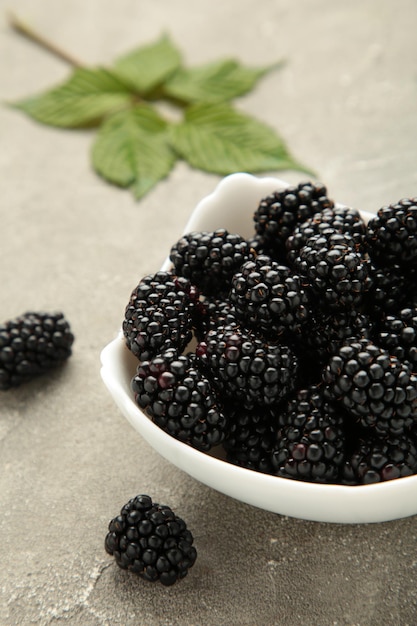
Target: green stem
(27, 31)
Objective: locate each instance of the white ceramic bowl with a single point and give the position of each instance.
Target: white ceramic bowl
(231, 206)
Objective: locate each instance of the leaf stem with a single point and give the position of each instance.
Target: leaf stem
(27, 31)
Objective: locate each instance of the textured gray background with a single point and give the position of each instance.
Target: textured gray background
(346, 103)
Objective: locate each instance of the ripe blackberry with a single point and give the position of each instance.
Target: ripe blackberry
(32, 344)
(246, 368)
(397, 333)
(249, 438)
(376, 459)
(278, 214)
(149, 539)
(392, 233)
(159, 315)
(209, 259)
(338, 273)
(310, 443)
(374, 386)
(269, 297)
(211, 313)
(341, 219)
(179, 398)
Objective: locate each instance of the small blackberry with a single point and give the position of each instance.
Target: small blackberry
(374, 386)
(209, 259)
(269, 297)
(32, 344)
(376, 459)
(310, 443)
(392, 233)
(246, 368)
(341, 219)
(249, 438)
(179, 398)
(338, 273)
(159, 315)
(278, 214)
(397, 333)
(149, 539)
(211, 313)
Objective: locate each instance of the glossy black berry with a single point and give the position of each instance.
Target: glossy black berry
(180, 399)
(279, 213)
(392, 234)
(310, 442)
(159, 315)
(374, 386)
(209, 259)
(32, 344)
(150, 540)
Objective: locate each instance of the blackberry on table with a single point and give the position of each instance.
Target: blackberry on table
(374, 386)
(159, 314)
(377, 459)
(397, 333)
(338, 273)
(392, 233)
(250, 437)
(180, 399)
(246, 368)
(270, 297)
(310, 441)
(209, 259)
(150, 540)
(32, 344)
(278, 214)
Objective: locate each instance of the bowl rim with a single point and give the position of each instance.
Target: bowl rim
(331, 503)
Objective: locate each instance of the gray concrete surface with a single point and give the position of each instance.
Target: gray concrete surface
(346, 102)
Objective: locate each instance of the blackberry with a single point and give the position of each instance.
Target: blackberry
(159, 315)
(310, 442)
(209, 259)
(392, 233)
(249, 438)
(211, 313)
(341, 219)
(338, 273)
(374, 386)
(278, 214)
(270, 297)
(180, 399)
(376, 459)
(149, 539)
(246, 368)
(397, 333)
(32, 344)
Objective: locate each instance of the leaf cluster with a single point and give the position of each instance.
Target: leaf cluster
(136, 144)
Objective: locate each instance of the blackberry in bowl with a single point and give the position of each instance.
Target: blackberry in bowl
(246, 461)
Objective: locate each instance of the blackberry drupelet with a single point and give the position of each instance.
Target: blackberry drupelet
(374, 386)
(32, 344)
(249, 438)
(340, 219)
(338, 273)
(247, 369)
(270, 297)
(310, 442)
(180, 399)
(392, 234)
(376, 459)
(149, 539)
(397, 333)
(159, 314)
(209, 259)
(278, 214)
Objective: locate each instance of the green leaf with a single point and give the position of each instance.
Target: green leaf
(147, 67)
(218, 139)
(215, 82)
(132, 149)
(84, 99)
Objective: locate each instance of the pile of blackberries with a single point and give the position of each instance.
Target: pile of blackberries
(305, 340)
